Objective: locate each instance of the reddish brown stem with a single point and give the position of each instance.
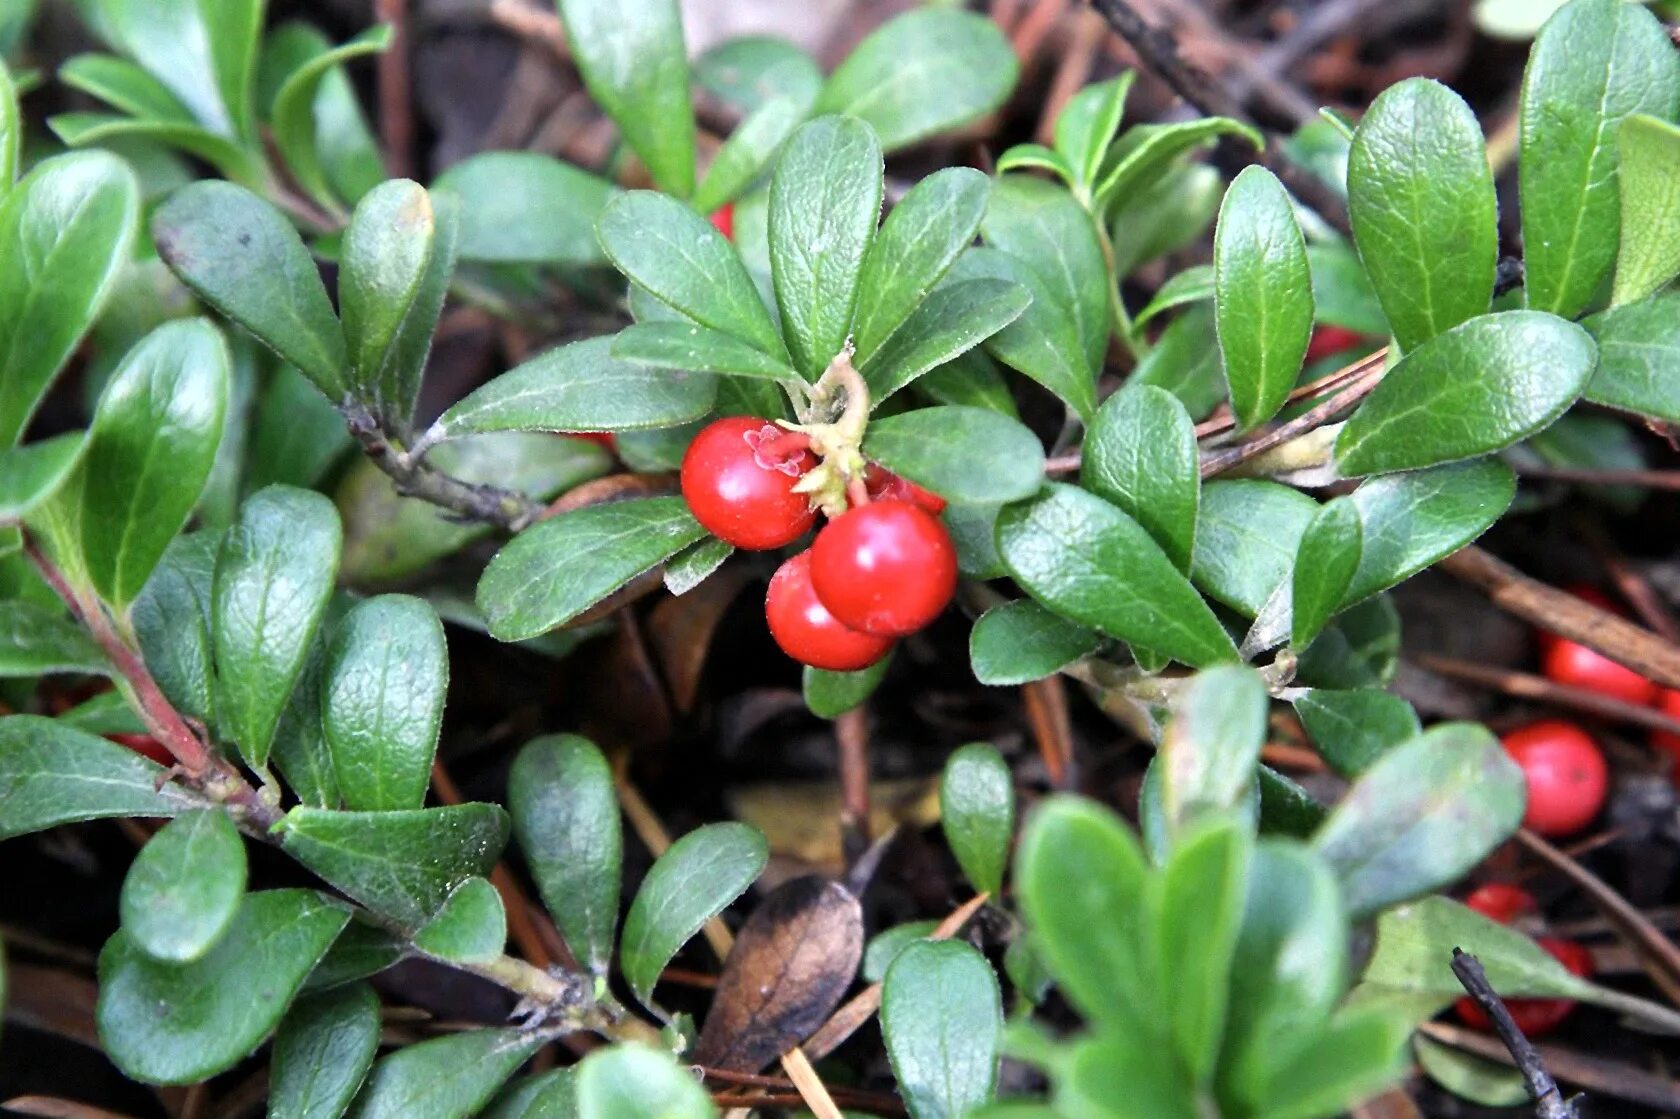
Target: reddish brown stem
(396, 112)
(851, 732)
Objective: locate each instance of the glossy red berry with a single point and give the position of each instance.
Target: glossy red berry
(886, 568)
(723, 219)
(1535, 1017)
(883, 485)
(1570, 662)
(1502, 902)
(146, 746)
(807, 632)
(1327, 340)
(1567, 777)
(739, 484)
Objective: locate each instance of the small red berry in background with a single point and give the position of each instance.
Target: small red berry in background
(723, 219)
(885, 568)
(883, 485)
(601, 438)
(1327, 340)
(807, 632)
(1535, 1017)
(1566, 774)
(146, 746)
(1569, 662)
(739, 483)
(1502, 902)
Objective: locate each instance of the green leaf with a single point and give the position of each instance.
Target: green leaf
(294, 118)
(1468, 1076)
(449, 1077)
(86, 130)
(245, 260)
(1325, 563)
(1368, 1048)
(1360, 649)
(322, 1050)
(687, 886)
(1342, 291)
(1185, 361)
(361, 950)
(31, 474)
(296, 433)
(527, 208)
(1147, 151)
(565, 816)
(1087, 124)
(825, 198)
(970, 456)
(672, 346)
(558, 568)
(750, 148)
(1211, 747)
(165, 1023)
(1352, 729)
(36, 640)
(1595, 64)
(1019, 642)
(382, 701)
(183, 889)
(1201, 906)
(942, 1020)
(274, 574)
(1262, 294)
(919, 241)
(1088, 561)
(1172, 213)
(695, 564)
(1043, 343)
(52, 774)
(1421, 200)
(1141, 454)
(972, 379)
(830, 695)
(204, 51)
(676, 256)
(1649, 256)
(1424, 813)
(1193, 285)
(172, 620)
(884, 947)
(923, 72)
(1638, 357)
(67, 228)
(471, 927)
(1028, 157)
(633, 60)
(546, 1095)
(977, 813)
(749, 70)
(636, 1082)
(11, 130)
(952, 321)
(149, 451)
(106, 713)
(402, 865)
(300, 749)
(1409, 521)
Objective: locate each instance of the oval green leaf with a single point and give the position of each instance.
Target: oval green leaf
(183, 890)
(52, 774)
(977, 813)
(972, 456)
(449, 1077)
(322, 1051)
(1141, 454)
(1019, 642)
(942, 1020)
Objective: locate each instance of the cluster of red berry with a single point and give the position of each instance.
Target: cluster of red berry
(1505, 903)
(883, 569)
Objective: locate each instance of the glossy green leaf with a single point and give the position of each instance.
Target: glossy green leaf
(636, 1082)
(672, 346)
(322, 1051)
(1087, 124)
(972, 379)
(558, 568)
(1421, 815)
(1086, 560)
(695, 564)
(245, 260)
(402, 865)
(1421, 200)
(67, 229)
(977, 813)
(470, 928)
(53, 774)
(1043, 343)
(1325, 563)
(172, 620)
(32, 473)
(1408, 521)
(1193, 285)
(36, 640)
(926, 71)
(1639, 358)
(825, 198)
(165, 1023)
(1211, 747)
(1595, 64)
(565, 816)
(1028, 157)
(967, 455)
(633, 60)
(1019, 642)
(952, 321)
(942, 1020)
(1475, 389)
(884, 947)
(1201, 906)
(11, 130)
(545, 1095)
(450, 1077)
(273, 576)
(688, 885)
(527, 208)
(750, 148)
(184, 887)
(1352, 729)
(1141, 454)
(829, 695)
(1262, 294)
(1649, 256)
(149, 451)
(1468, 1076)
(294, 118)
(203, 50)
(1148, 151)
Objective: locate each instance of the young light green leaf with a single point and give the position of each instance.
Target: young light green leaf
(527, 208)
(1029, 157)
(750, 148)
(1481, 386)
(1088, 561)
(31, 474)
(323, 1048)
(1043, 342)
(274, 573)
(1421, 200)
(1141, 454)
(1019, 642)
(928, 70)
(470, 928)
(952, 321)
(67, 228)
(825, 198)
(1211, 747)
(183, 890)
(695, 564)
(1369, 1048)
(1193, 285)
(1148, 151)
(402, 865)
(1649, 256)
(672, 346)
(1595, 64)
(1352, 729)
(1087, 125)
(565, 816)
(1201, 907)
(87, 130)
(165, 1023)
(1262, 294)
(687, 886)
(36, 640)
(382, 701)
(244, 259)
(52, 774)
(967, 455)
(149, 451)
(1325, 563)
(204, 52)
(558, 568)
(1422, 815)
(295, 116)
(977, 813)
(636, 1082)
(829, 695)
(1408, 521)
(11, 130)
(1638, 357)
(942, 1020)
(633, 60)
(449, 1077)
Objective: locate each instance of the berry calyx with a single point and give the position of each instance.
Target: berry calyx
(1502, 902)
(886, 568)
(1567, 778)
(807, 632)
(738, 477)
(882, 484)
(1570, 662)
(723, 220)
(1535, 1017)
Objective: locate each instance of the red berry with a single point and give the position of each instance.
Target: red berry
(883, 485)
(1327, 340)
(1501, 901)
(146, 746)
(1570, 662)
(1567, 777)
(807, 632)
(1535, 1017)
(601, 438)
(739, 485)
(723, 218)
(886, 568)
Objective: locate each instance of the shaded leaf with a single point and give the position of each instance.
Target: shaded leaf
(1408, 521)
(527, 208)
(952, 321)
(830, 695)
(1148, 151)
(1638, 357)
(1019, 642)
(183, 889)
(295, 116)
(977, 813)
(1352, 729)
(449, 1077)
(966, 455)
(1046, 229)
(1325, 563)
(172, 621)
(1043, 343)
(322, 1051)
(31, 474)
(942, 1021)
(52, 774)
(750, 147)
(470, 928)
(1201, 907)
(36, 640)
(1141, 454)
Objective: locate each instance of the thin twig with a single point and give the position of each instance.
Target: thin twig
(1580, 475)
(851, 734)
(1525, 685)
(1542, 1089)
(1047, 714)
(1319, 414)
(414, 478)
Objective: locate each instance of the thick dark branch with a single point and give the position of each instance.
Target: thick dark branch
(1548, 1100)
(489, 504)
